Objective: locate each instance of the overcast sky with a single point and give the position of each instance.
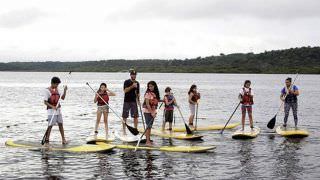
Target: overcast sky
(77, 30)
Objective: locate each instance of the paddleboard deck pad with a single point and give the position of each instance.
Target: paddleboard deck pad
(174, 135)
(207, 128)
(129, 138)
(184, 149)
(93, 140)
(247, 133)
(63, 148)
(292, 132)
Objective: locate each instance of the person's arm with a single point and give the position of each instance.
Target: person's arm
(95, 98)
(283, 94)
(50, 105)
(64, 92)
(294, 91)
(111, 93)
(129, 88)
(190, 98)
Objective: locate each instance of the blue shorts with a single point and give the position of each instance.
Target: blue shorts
(149, 120)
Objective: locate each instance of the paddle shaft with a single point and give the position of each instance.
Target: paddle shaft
(140, 109)
(230, 118)
(185, 124)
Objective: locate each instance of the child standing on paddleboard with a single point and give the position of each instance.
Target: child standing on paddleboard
(102, 100)
(169, 102)
(194, 96)
(150, 104)
(246, 100)
(289, 95)
(51, 100)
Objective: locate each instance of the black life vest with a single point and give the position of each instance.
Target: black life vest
(247, 98)
(54, 97)
(105, 98)
(291, 98)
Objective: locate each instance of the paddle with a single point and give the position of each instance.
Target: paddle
(133, 130)
(54, 112)
(185, 124)
(272, 122)
(195, 127)
(230, 118)
(140, 109)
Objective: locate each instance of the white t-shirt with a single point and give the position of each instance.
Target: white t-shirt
(46, 96)
(246, 90)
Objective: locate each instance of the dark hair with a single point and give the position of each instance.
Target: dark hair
(55, 80)
(289, 79)
(191, 88)
(246, 81)
(156, 90)
(168, 89)
(102, 84)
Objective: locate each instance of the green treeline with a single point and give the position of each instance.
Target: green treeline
(303, 60)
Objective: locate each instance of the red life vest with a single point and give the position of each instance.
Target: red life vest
(247, 98)
(105, 98)
(153, 101)
(195, 97)
(54, 97)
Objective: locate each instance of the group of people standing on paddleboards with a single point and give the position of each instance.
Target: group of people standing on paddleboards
(131, 104)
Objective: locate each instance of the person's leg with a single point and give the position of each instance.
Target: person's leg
(170, 119)
(295, 113)
(243, 110)
(48, 132)
(62, 133)
(99, 114)
(286, 113)
(249, 109)
(134, 113)
(105, 118)
(125, 115)
(192, 112)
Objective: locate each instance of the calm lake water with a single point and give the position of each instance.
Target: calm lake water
(269, 156)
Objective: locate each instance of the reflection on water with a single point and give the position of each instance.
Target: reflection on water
(51, 166)
(287, 163)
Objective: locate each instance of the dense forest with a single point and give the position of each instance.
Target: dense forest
(302, 60)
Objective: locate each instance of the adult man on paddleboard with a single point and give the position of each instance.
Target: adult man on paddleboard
(289, 95)
(131, 89)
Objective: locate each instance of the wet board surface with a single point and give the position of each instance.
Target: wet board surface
(174, 135)
(129, 138)
(207, 128)
(292, 132)
(185, 149)
(92, 139)
(248, 133)
(86, 148)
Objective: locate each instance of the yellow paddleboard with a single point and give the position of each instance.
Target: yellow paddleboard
(247, 133)
(185, 149)
(174, 135)
(292, 132)
(74, 149)
(207, 128)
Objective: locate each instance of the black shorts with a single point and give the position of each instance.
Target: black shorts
(132, 107)
(168, 116)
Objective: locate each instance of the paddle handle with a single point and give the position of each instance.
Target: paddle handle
(230, 118)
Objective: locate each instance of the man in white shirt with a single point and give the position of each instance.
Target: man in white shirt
(52, 101)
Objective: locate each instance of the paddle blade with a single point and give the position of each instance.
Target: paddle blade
(272, 123)
(188, 129)
(133, 130)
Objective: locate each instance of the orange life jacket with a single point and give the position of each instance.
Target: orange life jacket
(153, 102)
(247, 98)
(54, 97)
(105, 98)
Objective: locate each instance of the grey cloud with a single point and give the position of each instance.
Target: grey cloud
(211, 9)
(19, 18)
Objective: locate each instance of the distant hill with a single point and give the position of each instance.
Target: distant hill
(303, 60)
